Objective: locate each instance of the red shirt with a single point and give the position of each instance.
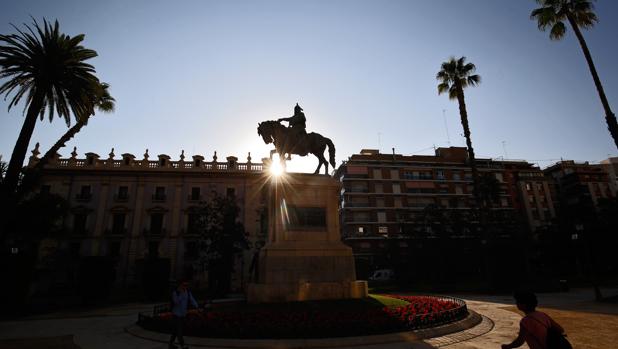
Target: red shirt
(534, 327)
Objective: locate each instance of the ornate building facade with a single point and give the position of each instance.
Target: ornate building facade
(130, 210)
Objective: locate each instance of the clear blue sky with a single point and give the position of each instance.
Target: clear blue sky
(200, 75)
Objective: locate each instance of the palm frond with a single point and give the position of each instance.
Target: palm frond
(557, 31)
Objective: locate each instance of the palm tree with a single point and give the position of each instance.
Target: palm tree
(48, 68)
(104, 102)
(454, 76)
(579, 13)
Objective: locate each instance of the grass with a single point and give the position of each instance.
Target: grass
(584, 330)
(388, 301)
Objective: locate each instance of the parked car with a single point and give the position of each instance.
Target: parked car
(382, 275)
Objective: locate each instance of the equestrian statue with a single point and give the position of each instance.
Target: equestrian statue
(295, 140)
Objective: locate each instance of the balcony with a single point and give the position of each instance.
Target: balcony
(154, 232)
(80, 231)
(194, 198)
(83, 197)
(121, 197)
(159, 197)
(355, 204)
(116, 231)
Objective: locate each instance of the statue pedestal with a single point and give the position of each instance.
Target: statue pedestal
(304, 258)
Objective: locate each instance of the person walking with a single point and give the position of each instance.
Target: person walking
(181, 297)
(536, 327)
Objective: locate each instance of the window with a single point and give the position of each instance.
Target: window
(528, 186)
(361, 216)
(381, 216)
(456, 176)
(361, 230)
(394, 174)
(85, 193)
(118, 223)
(379, 202)
(79, 223)
(499, 177)
(191, 251)
(159, 194)
(192, 220)
(123, 193)
(195, 194)
(156, 223)
(383, 230)
(377, 173)
(396, 188)
(74, 248)
(153, 249)
(230, 192)
(440, 175)
(379, 188)
(114, 249)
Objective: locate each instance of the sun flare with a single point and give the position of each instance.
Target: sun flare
(275, 167)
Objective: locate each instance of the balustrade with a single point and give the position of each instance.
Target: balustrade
(146, 164)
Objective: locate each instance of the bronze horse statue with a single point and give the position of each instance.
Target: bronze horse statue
(286, 143)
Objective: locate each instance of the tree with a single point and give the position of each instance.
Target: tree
(580, 14)
(221, 237)
(103, 102)
(48, 69)
(454, 76)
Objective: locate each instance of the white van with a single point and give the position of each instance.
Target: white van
(382, 275)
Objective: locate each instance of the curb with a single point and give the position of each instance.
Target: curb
(470, 321)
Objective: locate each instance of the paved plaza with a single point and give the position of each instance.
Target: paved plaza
(106, 327)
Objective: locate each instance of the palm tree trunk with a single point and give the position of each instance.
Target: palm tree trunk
(32, 175)
(67, 136)
(463, 113)
(610, 118)
(466, 128)
(21, 146)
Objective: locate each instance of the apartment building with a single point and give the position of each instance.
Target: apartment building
(394, 204)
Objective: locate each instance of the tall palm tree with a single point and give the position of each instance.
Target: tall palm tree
(48, 68)
(580, 14)
(454, 76)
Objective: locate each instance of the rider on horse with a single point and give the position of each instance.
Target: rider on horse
(297, 123)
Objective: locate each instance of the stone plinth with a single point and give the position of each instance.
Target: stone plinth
(304, 258)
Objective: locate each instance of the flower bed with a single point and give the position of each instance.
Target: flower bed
(315, 319)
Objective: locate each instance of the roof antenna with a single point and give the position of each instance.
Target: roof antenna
(379, 141)
(506, 155)
(446, 127)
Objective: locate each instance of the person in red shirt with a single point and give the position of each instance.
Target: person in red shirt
(534, 325)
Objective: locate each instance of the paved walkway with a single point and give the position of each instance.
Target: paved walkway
(105, 327)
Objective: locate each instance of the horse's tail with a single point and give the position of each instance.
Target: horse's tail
(331, 152)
